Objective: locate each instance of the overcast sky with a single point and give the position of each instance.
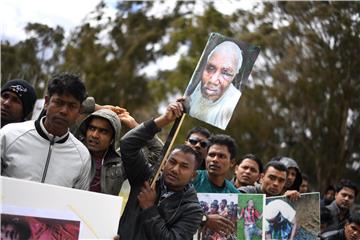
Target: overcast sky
(15, 14)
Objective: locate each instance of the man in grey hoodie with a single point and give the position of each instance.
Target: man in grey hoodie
(100, 132)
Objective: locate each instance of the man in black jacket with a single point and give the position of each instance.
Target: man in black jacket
(171, 210)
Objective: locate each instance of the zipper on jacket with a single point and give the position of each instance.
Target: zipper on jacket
(48, 159)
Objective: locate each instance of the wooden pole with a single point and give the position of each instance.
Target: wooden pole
(166, 149)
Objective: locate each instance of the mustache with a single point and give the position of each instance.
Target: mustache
(93, 140)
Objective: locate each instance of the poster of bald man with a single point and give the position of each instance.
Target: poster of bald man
(217, 82)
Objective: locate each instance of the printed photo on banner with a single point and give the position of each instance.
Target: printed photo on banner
(28, 223)
(284, 219)
(244, 210)
(250, 220)
(217, 82)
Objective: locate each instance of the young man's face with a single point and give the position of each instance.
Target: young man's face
(11, 107)
(199, 143)
(345, 198)
(273, 181)
(218, 161)
(291, 176)
(352, 231)
(99, 135)
(330, 195)
(61, 112)
(247, 172)
(304, 187)
(179, 170)
(219, 72)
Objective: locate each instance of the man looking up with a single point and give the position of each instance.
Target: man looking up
(215, 97)
(247, 171)
(171, 210)
(197, 139)
(17, 101)
(44, 150)
(351, 230)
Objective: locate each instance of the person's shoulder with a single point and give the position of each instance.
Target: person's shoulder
(81, 148)
(230, 186)
(247, 189)
(17, 129)
(332, 235)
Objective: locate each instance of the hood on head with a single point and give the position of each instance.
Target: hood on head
(114, 122)
(291, 163)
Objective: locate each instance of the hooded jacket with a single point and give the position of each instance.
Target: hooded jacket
(175, 215)
(112, 173)
(291, 163)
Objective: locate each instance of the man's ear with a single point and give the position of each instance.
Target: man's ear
(47, 101)
(261, 177)
(232, 163)
(194, 175)
(236, 167)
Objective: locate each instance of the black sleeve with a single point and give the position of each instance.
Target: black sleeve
(136, 167)
(183, 229)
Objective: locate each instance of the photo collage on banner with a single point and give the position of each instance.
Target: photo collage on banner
(298, 220)
(217, 82)
(244, 210)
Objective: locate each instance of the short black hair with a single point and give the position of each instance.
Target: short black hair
(305, 177)
(329, 188)
(354, 218)
(67, 83)
(203, 131)
(254, 158)
(277, 165)
(346, 183)
(226, 140)
(186, 149)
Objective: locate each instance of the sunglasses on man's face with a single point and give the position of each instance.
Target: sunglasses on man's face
(194, 141)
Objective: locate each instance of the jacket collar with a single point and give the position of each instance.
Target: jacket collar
(40, 128)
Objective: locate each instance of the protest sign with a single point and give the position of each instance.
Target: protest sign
(300, 219)
(244, 210)
(65, 208)
(217, 82)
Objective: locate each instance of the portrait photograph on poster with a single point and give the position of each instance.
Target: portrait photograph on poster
(250, 220)
(244, 210)
(285, 219)
(217, 82)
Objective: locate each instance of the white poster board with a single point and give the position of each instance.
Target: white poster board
(98, 213)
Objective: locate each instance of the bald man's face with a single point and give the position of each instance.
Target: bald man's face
(219, 72)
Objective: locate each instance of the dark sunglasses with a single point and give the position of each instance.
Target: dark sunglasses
(203, 144)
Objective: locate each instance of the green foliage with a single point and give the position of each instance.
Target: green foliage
(302, 100)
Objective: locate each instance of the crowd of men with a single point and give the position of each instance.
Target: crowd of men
(98, 159)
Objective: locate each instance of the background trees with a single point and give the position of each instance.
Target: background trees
(301, 101)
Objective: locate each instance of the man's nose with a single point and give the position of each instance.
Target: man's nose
(215, 78)
(64, 109)
(176, 168)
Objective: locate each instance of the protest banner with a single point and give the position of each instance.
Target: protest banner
(244, 210)
(60, 210)
(284, 219)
